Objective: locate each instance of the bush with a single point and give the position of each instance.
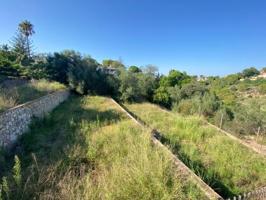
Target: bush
(191, 89)
(262, 88)
(210, 104)
(162, 97)
(223, 116)
(189, 106)
(249, 119)
(206, 105)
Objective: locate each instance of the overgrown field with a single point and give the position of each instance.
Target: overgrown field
(88, 149)
(10, 97)
(224, 164)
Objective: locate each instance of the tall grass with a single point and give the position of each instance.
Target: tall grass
(20, 94)
(88, 149)
(224, 164)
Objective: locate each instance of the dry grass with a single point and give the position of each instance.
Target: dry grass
(20, 94)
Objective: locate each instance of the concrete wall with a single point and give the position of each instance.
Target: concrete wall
(15, 121)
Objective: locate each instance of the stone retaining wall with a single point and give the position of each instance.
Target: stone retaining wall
(15, 121)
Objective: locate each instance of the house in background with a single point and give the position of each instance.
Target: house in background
(262, 74)
(108, 70)
(202, 78)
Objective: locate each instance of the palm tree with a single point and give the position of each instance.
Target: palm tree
(26, 29)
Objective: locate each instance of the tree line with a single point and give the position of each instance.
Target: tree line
(213, 97)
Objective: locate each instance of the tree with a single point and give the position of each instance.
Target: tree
(148, 82)
(134, 69)
(59, 63)
(19, 46)
(252, 71)
(191, 89)
(83, 75)
(8, 66)
(162, 97)
(26, 29)
(113, 63)
(175, 78)
(129, 86)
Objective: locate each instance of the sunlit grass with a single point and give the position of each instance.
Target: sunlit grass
(226, 165)
(17, 95)
(88, 149)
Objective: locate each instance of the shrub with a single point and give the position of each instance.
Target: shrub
(191, 89)
(210, 104)
(189, 106)
(262, 88)
(249, 119)
(162, 97)
(223, 116)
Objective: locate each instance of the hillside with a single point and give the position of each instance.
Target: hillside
(93, 152)
(73, 127)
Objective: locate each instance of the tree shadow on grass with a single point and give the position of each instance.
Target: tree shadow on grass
(54, 139)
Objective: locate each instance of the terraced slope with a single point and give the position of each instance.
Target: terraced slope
(13, 95)
(88, 149)
(223, 163)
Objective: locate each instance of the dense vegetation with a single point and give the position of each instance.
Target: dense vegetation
(224, 164)
(93, 152)
(223, 101)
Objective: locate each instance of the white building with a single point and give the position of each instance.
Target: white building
(262, 74)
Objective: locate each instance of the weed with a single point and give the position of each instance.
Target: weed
(95, 152)
(226, 165)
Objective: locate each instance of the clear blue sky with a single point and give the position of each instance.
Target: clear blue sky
(210, 37)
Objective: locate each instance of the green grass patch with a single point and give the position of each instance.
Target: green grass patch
(226, 165)
(88, 149)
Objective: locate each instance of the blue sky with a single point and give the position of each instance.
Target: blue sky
(210, 37)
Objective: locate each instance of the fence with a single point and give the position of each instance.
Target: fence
(259, 194)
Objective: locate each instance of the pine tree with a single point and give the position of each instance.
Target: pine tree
(19, 46)
(21, 43)
(26, 29)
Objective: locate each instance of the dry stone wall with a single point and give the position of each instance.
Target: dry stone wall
(15, 121)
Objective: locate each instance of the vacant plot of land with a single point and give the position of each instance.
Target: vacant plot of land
(10, 97)
(88, 149)
(224, 164)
